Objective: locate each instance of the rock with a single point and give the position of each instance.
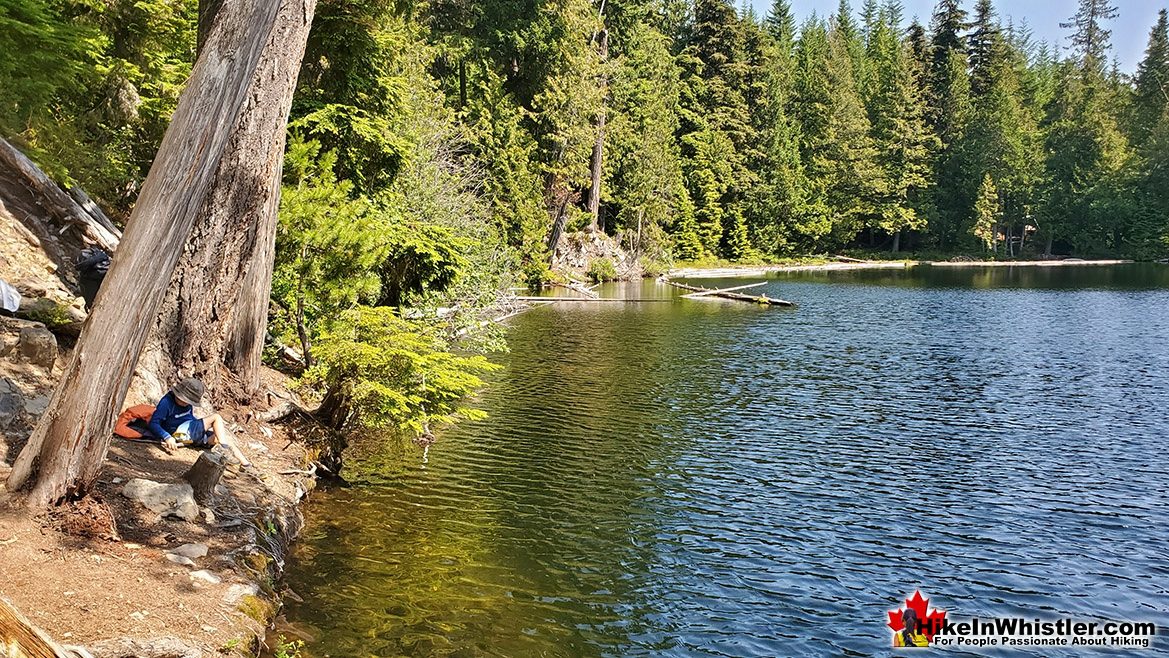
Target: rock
(6, 346)
(164, 499)
(139, 615)
(127, 647)
(208, 516)
(206, 576)
(193, 551)
(38, 345)
(11, 408)
(36, 406)
(180, 559)
(239, 591)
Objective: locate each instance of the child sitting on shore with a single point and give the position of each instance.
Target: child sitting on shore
(174, 421)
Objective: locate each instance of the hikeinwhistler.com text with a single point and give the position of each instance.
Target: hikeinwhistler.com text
(1020, 632)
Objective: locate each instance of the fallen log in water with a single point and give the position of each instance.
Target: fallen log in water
(727, 294)
(708, 293)
(589, 299)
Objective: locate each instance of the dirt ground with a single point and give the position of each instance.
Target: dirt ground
(82, 584)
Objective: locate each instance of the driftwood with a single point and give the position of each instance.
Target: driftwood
(87, 204)
(204, 474)
(758, 299)
(586, 299)
(695, 295)
(65, 209)
(59, 318)
(19, 638)
(279, 412)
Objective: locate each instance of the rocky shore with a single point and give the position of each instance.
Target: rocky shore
(140, 568)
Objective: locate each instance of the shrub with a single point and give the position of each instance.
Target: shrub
(602, 269)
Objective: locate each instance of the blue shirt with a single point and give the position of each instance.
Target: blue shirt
(169, 415)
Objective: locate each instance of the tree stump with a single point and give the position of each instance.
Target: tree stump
(204, 474)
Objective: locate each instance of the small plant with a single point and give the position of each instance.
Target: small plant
(602, 269)
(288, 648)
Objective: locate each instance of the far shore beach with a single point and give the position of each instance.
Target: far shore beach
(761, 270)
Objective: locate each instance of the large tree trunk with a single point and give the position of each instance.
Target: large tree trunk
(215, 309)
(65, 452)
(599, 146)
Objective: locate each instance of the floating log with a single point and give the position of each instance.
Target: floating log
(588, 299)
(725, 294)
(695, 295)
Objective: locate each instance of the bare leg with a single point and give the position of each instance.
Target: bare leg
(220, 434)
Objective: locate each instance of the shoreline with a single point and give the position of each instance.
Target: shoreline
(120, 579)
(733, 271)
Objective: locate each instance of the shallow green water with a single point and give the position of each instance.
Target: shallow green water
(710, 478)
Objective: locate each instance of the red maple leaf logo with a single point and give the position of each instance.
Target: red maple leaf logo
(930, 620)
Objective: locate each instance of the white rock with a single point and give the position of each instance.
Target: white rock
(239, 591)
(164, 499)
(180, 559)
(193, 551)
(208, 515)
(139, 615)
(206, 576)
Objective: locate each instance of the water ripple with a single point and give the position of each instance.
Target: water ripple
(715, 479)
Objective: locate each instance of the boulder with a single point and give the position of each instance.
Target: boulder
(11, 405)
(238, 591)
(38, 345)
(193, 551)
(206, 576)
(179, 559)
(164, 499)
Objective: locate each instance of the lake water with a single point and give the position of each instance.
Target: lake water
(709, 478)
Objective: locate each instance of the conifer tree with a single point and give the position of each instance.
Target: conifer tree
(901, 137)
(986, 214)
(985, 43)
(1151, 93)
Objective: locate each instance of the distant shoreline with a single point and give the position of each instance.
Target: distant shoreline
(762, 270)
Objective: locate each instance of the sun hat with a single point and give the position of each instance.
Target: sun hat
(189, 390)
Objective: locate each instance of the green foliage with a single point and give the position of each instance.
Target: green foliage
(329, 244)
(602, 269)
(87, 89)
(286, 648)
(380, 371)
(986, 214)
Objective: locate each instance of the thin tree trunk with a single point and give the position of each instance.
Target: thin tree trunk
(215, 309)
(302, 333)
(897, 241)
(67, 448)
(599, 145)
